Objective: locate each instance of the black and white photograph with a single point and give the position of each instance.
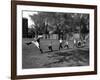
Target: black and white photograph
(54, 39)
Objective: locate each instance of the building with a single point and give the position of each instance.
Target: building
(24, 27)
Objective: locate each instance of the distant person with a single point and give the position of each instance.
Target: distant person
(79, 43)
(60, 45)
(84, 42)
(50, 47)
(36, 42)
(75, 43)
(66, 44)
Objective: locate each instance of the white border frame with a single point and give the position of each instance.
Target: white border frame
(21, 71)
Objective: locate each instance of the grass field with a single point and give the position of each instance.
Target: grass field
(32, 57)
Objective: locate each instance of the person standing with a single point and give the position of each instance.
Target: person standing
(60, 45)
(50, 46)
(75, 43)
(66, 44)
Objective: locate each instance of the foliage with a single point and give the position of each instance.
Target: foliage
(60, 23)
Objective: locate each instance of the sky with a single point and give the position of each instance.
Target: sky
(26, 15)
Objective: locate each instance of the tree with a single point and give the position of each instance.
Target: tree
(60, 23)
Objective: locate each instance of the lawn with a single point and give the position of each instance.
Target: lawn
(33, 58)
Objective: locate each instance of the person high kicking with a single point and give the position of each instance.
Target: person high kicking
(36, 42)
